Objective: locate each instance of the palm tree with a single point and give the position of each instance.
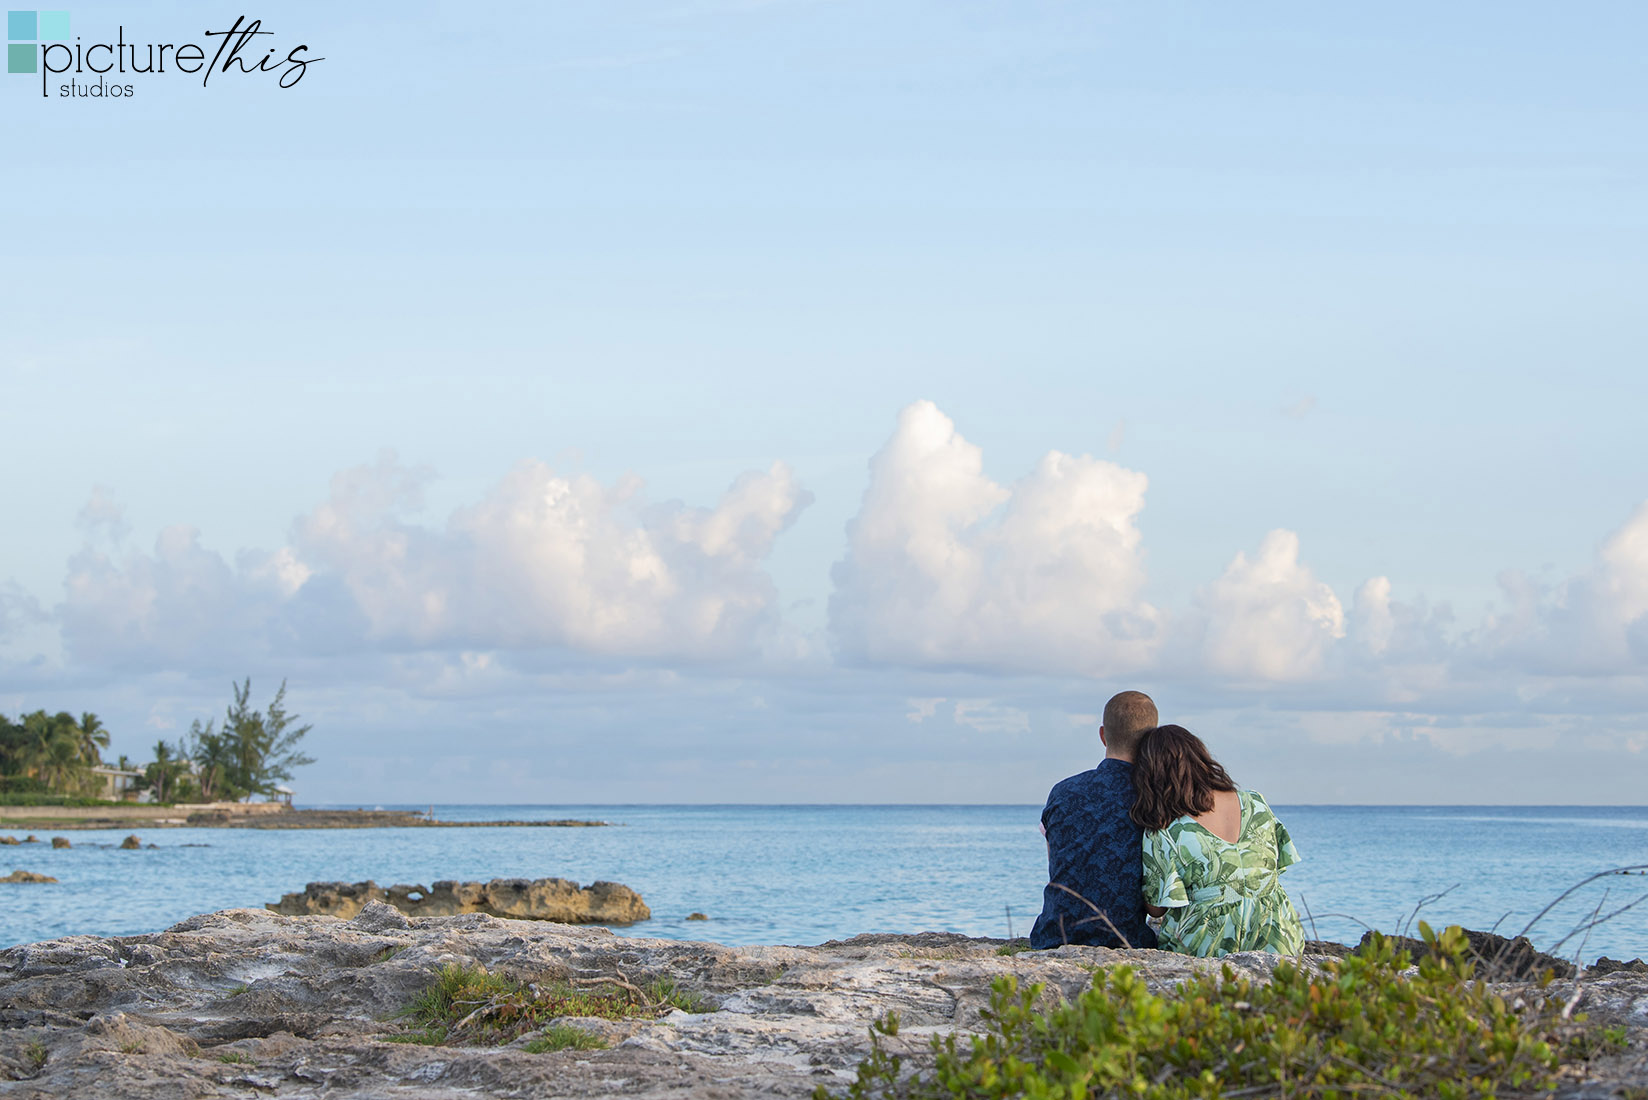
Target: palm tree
(213, 754)
(165, 775)
(61, 767)
(159, 774)
(39, 729)
(94, 737)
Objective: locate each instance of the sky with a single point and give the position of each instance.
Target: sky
(829, 401)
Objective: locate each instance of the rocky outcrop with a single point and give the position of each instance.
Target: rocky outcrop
(27, 876)
(9, 840)
(1605, 965)
(1497, 956)
(60, 842)
(248, 1002)
(131, 843)
(552, 899)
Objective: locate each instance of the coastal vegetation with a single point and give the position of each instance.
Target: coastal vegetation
(56, 759)
(51, 754)
(1361, 1025)
(468, 1004)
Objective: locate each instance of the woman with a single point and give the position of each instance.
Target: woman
(1212, 854)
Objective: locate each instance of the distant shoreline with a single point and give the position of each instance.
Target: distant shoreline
(179, 817)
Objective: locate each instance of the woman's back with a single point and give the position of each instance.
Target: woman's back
(1222, 892)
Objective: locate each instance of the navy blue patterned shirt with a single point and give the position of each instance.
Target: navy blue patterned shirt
(1095, 849)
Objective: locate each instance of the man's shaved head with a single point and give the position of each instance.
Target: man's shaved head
(1126, 718)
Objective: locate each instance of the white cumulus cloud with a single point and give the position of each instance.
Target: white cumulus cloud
(945, 567)
(1593, 624)
(1268, 617)
(543, 560)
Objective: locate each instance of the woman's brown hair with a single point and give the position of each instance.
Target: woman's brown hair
(1174, 775)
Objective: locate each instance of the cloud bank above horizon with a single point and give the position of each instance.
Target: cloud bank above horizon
(943, 568)
(956, 599)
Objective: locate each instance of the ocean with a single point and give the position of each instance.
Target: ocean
(806, 874)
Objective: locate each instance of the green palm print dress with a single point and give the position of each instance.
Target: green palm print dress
(1222, 897)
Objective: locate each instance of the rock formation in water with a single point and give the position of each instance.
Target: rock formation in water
(27, 876)
(248, 1002)
(60, 842)
(131, 843)
(554, 899)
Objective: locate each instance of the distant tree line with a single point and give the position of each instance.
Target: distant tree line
(51, 753)
(251, 753)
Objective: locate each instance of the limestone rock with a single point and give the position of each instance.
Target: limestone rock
(8, 840)
(228, 1003)
(60, 842)
(698, 916)
(27, 876)
(552, 899)
(378, 917)
(131, 843)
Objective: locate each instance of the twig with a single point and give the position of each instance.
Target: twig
(1579, 952)
(620, 980)
(1407, 925)
(1560, 898)
(1309, 916)
(489, 1006)
(1359, 1068)
(1100, 914)
(1354, 920)
(1599, 920)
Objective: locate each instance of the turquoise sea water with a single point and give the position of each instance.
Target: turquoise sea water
(805, 874)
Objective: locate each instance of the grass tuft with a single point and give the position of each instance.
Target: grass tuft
(235, 1057)
(466, 1004)
(562, 1037)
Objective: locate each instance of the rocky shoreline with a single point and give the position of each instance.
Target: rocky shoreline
(176, 817)
(248, 1002)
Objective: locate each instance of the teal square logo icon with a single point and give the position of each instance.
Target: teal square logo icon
(21, 26)
(54, 26)
(21, 57)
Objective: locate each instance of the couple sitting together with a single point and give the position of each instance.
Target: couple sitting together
(1158, 828)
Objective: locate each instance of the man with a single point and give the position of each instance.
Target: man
(1095, 871)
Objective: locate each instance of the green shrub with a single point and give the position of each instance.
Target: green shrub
(468, 1004)
(1358, 1027)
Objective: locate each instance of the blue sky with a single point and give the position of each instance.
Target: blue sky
(1365, 278)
